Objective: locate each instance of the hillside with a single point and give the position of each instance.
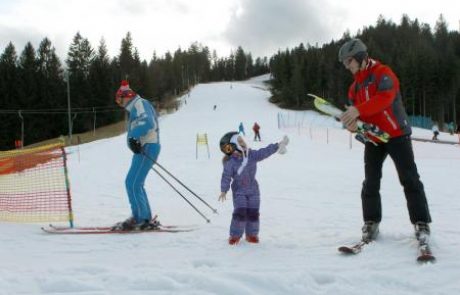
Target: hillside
(310, 205)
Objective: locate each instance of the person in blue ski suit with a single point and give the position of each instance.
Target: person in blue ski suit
(144, 141)
(240, 165)
(241, 129)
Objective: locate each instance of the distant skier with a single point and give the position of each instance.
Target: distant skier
(214, 107)
(458, 133)
(240, 166)
(375, 98)
(451, 128)
(241, 129)
(256, 129)
(144, 142)
(435, 130)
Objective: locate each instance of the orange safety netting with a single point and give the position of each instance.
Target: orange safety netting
(34, 185)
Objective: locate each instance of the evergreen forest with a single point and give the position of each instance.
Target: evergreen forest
(36, 86)
(426, 61)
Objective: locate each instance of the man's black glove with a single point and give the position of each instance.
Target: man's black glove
(135, 145)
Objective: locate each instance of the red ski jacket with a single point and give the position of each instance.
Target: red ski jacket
(375, 93)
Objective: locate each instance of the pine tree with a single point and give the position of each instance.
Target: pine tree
(241, 64)
(79, 59)
(126, 60)
(51, 92)
(28, 99)
(9, 93)
(103, 88)
(28, 70)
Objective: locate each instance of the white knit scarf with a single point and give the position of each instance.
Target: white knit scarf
(244, 152)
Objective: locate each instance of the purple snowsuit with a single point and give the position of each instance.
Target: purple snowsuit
(246, 195)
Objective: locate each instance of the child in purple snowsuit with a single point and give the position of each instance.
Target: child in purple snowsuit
(240, 164)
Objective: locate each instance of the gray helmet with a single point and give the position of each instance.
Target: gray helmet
(352, 48)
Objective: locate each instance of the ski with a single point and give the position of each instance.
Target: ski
(363, 128)
(108, 230)
(54, 229)
(424, 251)
(102, 228)
(353, 249)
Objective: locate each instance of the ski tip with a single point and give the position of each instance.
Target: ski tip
(45, 230)
(426, 258)
(346, 250)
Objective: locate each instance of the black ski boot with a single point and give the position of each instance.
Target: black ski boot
(150, 225)
(127, 225)
(422, 231)
(370, 231)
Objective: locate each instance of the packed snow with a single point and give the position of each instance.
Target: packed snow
(310, 206)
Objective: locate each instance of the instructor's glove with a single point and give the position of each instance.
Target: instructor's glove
(349, 117)
(282, 145)
(135, 145)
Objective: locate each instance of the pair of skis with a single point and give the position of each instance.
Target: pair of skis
(363, 128)
(424, 251)
(91, 230)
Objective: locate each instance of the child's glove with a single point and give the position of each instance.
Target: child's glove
(223, 196)
(282, 145)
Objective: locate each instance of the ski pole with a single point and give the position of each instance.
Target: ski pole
(172, 186)
(181, 183)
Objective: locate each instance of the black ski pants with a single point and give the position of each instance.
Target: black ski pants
(401, 152)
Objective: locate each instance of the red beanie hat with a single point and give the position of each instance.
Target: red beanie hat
(124, 91)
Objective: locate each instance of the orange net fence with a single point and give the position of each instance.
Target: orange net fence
(34, 185)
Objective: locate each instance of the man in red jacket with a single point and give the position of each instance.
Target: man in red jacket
(375, 98)
(256, 129)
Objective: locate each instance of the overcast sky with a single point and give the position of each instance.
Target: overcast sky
(259, 26)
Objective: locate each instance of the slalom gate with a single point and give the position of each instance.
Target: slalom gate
(202, 139)
(34, 185)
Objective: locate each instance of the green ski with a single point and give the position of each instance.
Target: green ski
(329, 109)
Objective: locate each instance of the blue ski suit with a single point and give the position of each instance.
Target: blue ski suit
(142, 126)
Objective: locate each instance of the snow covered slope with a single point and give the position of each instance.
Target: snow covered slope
(310, 205)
